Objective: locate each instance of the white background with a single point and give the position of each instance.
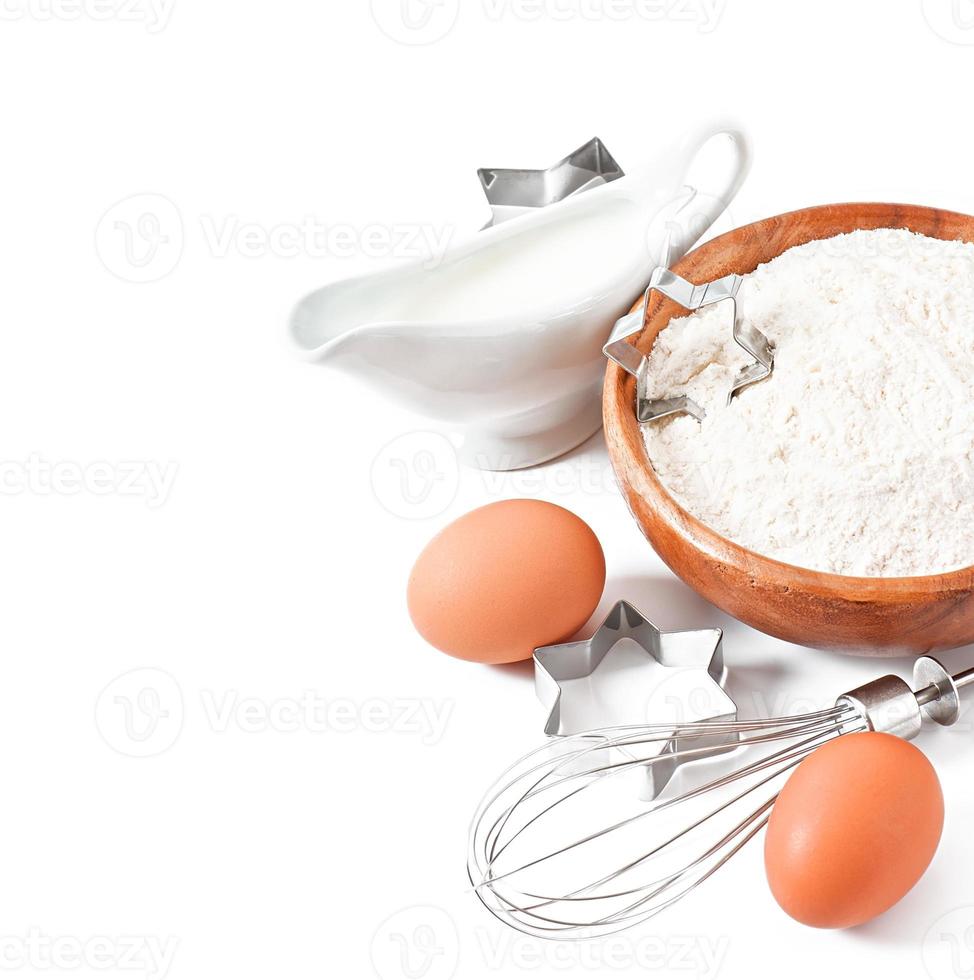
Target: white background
(190, 808)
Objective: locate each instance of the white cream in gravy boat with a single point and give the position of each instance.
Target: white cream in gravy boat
(501, 341)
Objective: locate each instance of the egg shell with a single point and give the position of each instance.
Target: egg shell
(506, 578)
(853, 830)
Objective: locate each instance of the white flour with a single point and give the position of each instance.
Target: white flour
(856, 455)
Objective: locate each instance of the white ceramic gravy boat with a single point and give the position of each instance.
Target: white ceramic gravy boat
(502, 339)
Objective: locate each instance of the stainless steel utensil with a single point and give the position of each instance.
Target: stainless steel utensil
(672, 663)
(555, 851)
(512, 192)
(690, 297)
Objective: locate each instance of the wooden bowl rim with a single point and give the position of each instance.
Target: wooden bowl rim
(620, 420)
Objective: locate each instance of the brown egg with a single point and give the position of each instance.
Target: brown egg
(506, 578)
(853, 830)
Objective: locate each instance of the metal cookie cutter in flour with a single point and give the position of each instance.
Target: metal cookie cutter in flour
(665, 676)
(690, 297)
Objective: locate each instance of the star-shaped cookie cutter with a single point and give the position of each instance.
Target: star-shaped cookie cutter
(691, 297)
(668, 653)
(512, 192)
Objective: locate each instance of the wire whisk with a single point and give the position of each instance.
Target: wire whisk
(563, 847)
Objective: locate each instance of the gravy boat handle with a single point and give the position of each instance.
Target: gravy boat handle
(710, 195)
(693, 216)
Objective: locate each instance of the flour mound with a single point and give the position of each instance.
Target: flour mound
(856, 456)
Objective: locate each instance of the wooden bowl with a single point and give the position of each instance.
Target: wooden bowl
(873, 616)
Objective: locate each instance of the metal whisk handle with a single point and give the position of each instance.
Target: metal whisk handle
(890, 704)
(964, 677)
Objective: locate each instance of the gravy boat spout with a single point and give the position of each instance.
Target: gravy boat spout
(501, 339)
